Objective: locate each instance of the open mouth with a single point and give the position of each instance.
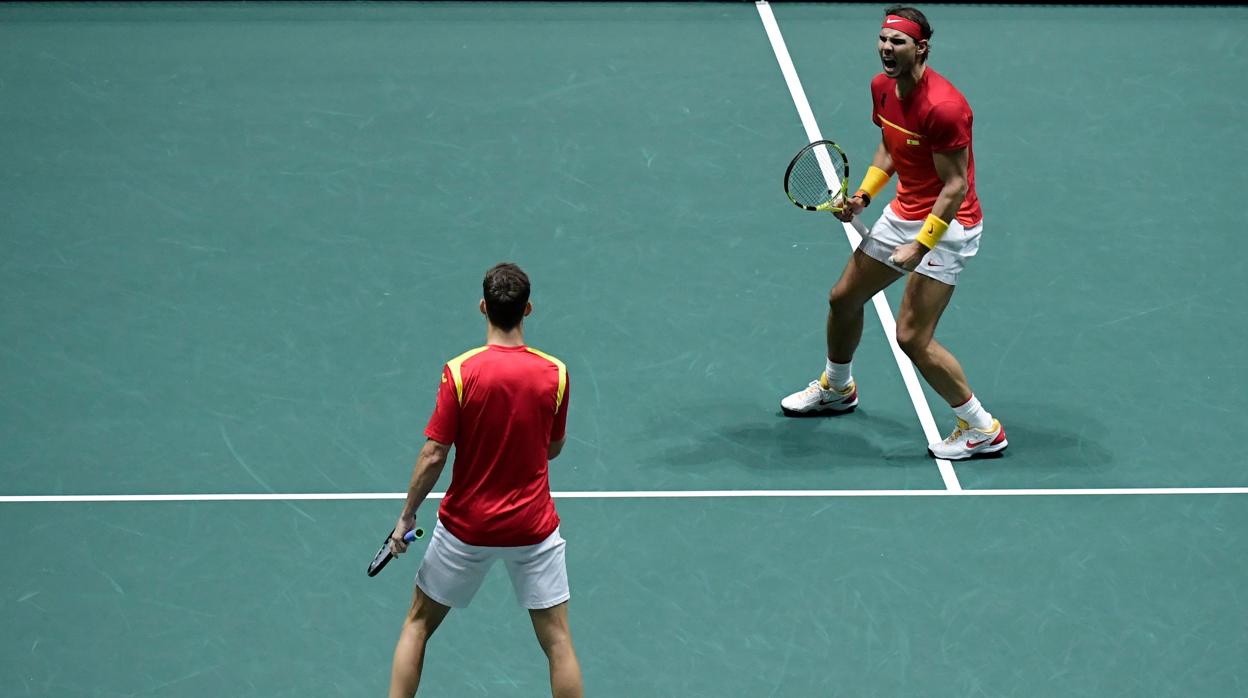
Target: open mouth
(890, 64)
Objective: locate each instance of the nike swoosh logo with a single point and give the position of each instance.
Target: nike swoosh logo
(891, 21)
(933, 264)
(973, 444)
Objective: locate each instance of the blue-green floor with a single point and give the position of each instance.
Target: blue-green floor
(238, 241)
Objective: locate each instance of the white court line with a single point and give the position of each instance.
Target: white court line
(627, 494)
(854, 231)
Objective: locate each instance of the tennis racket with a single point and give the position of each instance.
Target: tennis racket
(818, 177)
(385, 555)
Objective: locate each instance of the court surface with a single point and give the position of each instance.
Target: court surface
(237, 242)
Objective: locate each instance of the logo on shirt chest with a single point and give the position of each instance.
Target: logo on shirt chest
(900, 133)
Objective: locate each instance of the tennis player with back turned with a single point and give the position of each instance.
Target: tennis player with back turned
(505, 408)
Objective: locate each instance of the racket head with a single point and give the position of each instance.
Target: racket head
(385, 554)
(818, 177)
(382, 557)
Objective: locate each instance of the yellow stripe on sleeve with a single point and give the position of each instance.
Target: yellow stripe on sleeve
(456, 364)
(563, 375)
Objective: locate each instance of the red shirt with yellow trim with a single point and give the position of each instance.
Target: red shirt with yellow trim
(933, 118)
(501, 407)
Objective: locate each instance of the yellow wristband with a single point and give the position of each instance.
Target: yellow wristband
(931, 232)
(873, 182)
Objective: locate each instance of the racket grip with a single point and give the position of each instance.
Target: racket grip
(414, 534)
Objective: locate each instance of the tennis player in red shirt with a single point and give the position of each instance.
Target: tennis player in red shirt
(505, 408)
(931, 228)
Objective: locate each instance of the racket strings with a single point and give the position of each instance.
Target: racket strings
(812, 183)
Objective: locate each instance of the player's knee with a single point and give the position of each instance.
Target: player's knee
(419, 624)
(421, 621)
(839, 302)
(554, 637)
(912, 342)
(417, 629)
(556, 644)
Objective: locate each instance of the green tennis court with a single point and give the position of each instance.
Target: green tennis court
(237, 243)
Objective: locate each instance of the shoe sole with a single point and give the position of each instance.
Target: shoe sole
(825, 412)
(978, 455)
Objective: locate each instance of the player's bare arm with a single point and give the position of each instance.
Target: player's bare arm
(951, 167)
(556, 447)
(857, 203)
(425, 474)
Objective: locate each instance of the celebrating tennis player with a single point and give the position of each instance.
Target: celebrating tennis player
(505, 407)
(931, 228)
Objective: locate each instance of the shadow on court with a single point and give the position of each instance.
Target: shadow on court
(779, 443)
(1045, 440)
(1050, 446)
(1054, 434)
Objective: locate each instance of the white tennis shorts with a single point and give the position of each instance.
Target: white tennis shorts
(452, 571)
(944, 263)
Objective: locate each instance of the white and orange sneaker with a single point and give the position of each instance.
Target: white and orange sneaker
(820, 396)
(966, 442)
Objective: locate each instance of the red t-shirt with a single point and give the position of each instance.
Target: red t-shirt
(501, 407)
(933, 118)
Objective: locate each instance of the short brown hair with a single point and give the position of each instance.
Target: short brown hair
(914, 15)
(506, 290)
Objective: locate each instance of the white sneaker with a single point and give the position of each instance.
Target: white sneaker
(966, 442)
(819, 396)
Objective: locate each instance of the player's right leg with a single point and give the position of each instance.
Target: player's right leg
(835, 390)
(555, 637)
(539, 576)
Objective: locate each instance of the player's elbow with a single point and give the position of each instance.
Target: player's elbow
(434, 453)
(957, 186)
(556, 447)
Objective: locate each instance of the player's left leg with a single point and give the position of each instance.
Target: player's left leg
(423, 618)
(977, 433)
(450, 574)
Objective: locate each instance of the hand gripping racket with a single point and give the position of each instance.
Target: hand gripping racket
(818, 177)
(385, 555)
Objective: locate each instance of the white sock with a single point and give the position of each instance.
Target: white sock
(839, 375)
(974, 414)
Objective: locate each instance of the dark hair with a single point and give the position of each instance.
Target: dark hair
(918, 18)
(506, 289)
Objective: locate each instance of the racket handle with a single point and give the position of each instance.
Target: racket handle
(414, 534)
